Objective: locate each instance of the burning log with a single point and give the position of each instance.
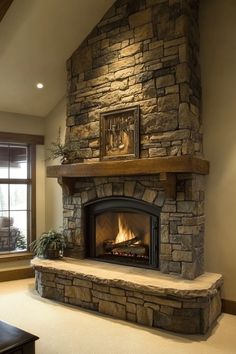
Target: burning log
(130, 250)
(109, 245)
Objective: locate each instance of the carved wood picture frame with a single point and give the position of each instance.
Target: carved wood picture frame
(119, 134)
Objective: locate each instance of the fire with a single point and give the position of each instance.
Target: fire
(124, 232)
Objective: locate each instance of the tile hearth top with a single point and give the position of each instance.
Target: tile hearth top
(133, 278)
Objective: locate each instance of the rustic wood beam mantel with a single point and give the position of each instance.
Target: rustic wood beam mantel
(150, 166)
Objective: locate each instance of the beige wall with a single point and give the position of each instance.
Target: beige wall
(17, 123)
(218, 59)
(56, 119)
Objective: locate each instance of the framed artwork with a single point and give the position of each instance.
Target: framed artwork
(120, 134)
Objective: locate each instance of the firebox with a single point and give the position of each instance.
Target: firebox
(124, 231)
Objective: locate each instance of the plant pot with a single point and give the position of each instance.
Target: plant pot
(52, 254)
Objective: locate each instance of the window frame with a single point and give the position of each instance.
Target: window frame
(30, 141)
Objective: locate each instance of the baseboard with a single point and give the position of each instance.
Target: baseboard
(15, 274)
(229, 306)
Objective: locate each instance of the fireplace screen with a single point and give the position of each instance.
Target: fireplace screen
(123, 233)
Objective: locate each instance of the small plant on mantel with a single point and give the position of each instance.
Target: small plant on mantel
(67, 151)
(50, 245)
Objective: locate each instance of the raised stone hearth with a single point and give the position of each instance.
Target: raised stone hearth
(138, 295)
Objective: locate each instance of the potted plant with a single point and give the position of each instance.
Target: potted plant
(67, 151)
(50, 245)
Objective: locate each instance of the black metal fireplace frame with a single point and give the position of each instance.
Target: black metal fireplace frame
(116, 204)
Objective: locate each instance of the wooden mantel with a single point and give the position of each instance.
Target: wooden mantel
(147, 166)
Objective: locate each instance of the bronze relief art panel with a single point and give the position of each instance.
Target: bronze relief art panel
(120, 134)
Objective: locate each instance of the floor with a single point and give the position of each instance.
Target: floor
(68, 330)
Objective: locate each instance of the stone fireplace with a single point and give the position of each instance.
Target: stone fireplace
(143, 53)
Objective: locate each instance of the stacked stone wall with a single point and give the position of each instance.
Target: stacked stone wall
(146, 53)
(143, 52)
(190, 313)
(181, 220)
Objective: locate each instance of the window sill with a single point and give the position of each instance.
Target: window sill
(11, 257)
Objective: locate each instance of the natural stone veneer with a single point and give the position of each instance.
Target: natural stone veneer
(143, 52)
(181, 220)
(146, 53)
(142, 296)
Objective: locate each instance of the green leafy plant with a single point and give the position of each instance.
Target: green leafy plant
(67, 151)
(21, 241)
(50, 245)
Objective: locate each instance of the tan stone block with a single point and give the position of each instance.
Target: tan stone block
(215, 308)
(167, 310)
(152, 306)
(153, 55)
(100, 287)
(68, 213)
(105, 43)
(131, 307)
(112, 309)
(124, 73)
(119, 85)
(140, 18)
(153, 152)
(156, 44)
(165, 233)
(82, 294)
(116, 291)
(161, 122)
(86, 131)
(129, 188)
(188, 230)
(162, 301)
(165, 248)
(182, 73)
(107, 188)
(144, 316)
(134, 294)
(109, 297)
(187, 207)
(83, 283)
(171, 51)
(168, 103)
(143, 32)
(134, 300)
(172, 89)
(181, 25)
(130, 50)
(149, 195)
(122, 64)
(170, 136)
(183, 53)
(164, 81)
(97, 82)
(174, 42)
(182, 256)
(47, 277)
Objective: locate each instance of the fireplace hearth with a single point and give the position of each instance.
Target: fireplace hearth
(122, 230)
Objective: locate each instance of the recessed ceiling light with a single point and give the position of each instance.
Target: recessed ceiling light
(39, 85)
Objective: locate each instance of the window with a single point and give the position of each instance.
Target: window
(15, 197)
(17, 192)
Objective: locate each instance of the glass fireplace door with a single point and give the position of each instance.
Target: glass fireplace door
(123, 233)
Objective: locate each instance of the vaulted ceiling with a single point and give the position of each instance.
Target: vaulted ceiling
(36, 39)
